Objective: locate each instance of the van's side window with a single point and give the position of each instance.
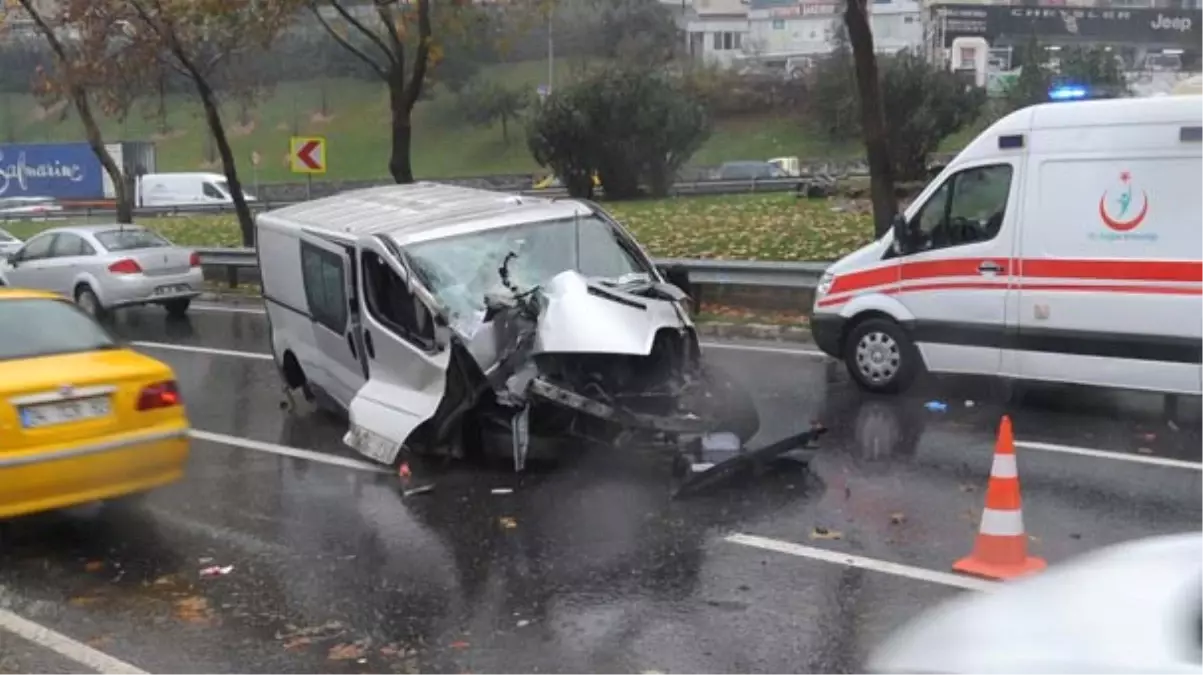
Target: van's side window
(969, 207)
(211, 191)
(391, 303)
(325, 286)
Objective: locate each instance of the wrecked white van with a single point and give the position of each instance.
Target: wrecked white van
(450, 320)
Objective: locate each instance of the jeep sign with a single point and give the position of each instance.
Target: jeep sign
(1015, 24)
(1163, 22)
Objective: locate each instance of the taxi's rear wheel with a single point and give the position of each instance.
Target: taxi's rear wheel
(881, 356)
(87, 300)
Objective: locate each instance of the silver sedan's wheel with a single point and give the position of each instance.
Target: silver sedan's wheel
(86, 299)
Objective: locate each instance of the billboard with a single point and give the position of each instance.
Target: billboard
(1153, 27)
(60, 170)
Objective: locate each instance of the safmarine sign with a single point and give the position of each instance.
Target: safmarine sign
(60, 170)
(1164, 27)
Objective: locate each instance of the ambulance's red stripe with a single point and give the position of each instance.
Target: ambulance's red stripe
(977, 286)
(1079, 270)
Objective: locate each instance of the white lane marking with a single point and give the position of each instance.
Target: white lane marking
(286, 451)
(809, 353)
(229, 310)
(212, 351)
(78, 652)
(1107, 454)
(849, 560)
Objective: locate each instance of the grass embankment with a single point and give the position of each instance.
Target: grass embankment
(355, 123)
(747, 227)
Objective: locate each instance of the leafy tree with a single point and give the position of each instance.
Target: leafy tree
(205, 42)
(1032, 84)
(642, 31)
(928, 105)
(80, 44)
(630, 125)
(831, 106)
(872, 115)
(1095, 67)
(484, 103)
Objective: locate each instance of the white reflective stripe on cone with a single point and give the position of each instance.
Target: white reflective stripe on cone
(1004, 467)
(1002, 523)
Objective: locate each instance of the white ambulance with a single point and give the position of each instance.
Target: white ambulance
(1063, 244)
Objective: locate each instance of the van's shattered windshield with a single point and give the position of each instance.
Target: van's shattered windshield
(461, 270)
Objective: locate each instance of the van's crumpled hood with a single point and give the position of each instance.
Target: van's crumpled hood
(583, 316)
(1132, 607)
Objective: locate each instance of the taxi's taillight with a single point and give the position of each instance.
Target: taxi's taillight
(159, 395)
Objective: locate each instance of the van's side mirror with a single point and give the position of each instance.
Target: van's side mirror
(900, 233)
(677, 275)
(13, 259)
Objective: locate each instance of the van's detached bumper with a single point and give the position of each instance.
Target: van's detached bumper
(827, 330)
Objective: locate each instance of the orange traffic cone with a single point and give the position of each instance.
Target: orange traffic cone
(1001, 551)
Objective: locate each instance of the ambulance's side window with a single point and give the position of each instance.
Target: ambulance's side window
(968, 208)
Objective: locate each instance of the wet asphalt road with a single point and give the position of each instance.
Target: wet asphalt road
(588, 566)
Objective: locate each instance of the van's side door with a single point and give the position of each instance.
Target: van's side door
(956, 267)
(407, 362)
(326, 270)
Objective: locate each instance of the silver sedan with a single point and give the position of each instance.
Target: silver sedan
(104, 267)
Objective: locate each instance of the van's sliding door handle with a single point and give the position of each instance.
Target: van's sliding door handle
(989, 267)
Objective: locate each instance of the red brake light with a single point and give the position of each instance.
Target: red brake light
(194, 260)
(159, 395)
(125, 266)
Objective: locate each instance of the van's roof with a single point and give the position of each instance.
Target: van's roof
(418, 211)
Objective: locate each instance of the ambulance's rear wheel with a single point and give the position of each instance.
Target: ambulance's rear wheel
(880, 356)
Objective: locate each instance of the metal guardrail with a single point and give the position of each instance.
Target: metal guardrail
(697, 188)
(773, 274)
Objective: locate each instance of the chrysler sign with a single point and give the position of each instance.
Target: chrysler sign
(1153, 27)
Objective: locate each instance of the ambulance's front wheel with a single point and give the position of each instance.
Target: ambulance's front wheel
(881, 356)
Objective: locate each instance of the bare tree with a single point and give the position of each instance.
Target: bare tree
(872, 115)
(400, 59)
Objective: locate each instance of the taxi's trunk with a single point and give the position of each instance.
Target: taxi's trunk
(160, 261)
(39, 406)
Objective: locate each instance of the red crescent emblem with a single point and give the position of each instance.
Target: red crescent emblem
(1123, 225)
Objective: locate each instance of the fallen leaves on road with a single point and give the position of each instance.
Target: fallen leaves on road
(824, 533)
(1145, 451)
(94, 566)
(347, 651)
(507, 522)
(897, 518)
(459, 644)
(326, 631)
(297, 643)
(193, 609)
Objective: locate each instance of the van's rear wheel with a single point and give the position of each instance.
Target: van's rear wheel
(880, 356)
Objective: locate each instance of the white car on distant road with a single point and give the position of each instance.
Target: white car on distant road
(29, 208)
(8, 244)
(104, 267)
(1131, 608)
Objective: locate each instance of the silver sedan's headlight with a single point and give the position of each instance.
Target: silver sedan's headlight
(824, 283)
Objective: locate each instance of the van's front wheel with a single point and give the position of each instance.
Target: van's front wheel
(880, 356)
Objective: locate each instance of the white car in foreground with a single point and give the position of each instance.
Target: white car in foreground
(1135, 607)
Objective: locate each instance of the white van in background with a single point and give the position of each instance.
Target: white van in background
(184, 189)
(1063, 244)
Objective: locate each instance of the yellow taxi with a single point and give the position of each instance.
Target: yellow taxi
(82, 418)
